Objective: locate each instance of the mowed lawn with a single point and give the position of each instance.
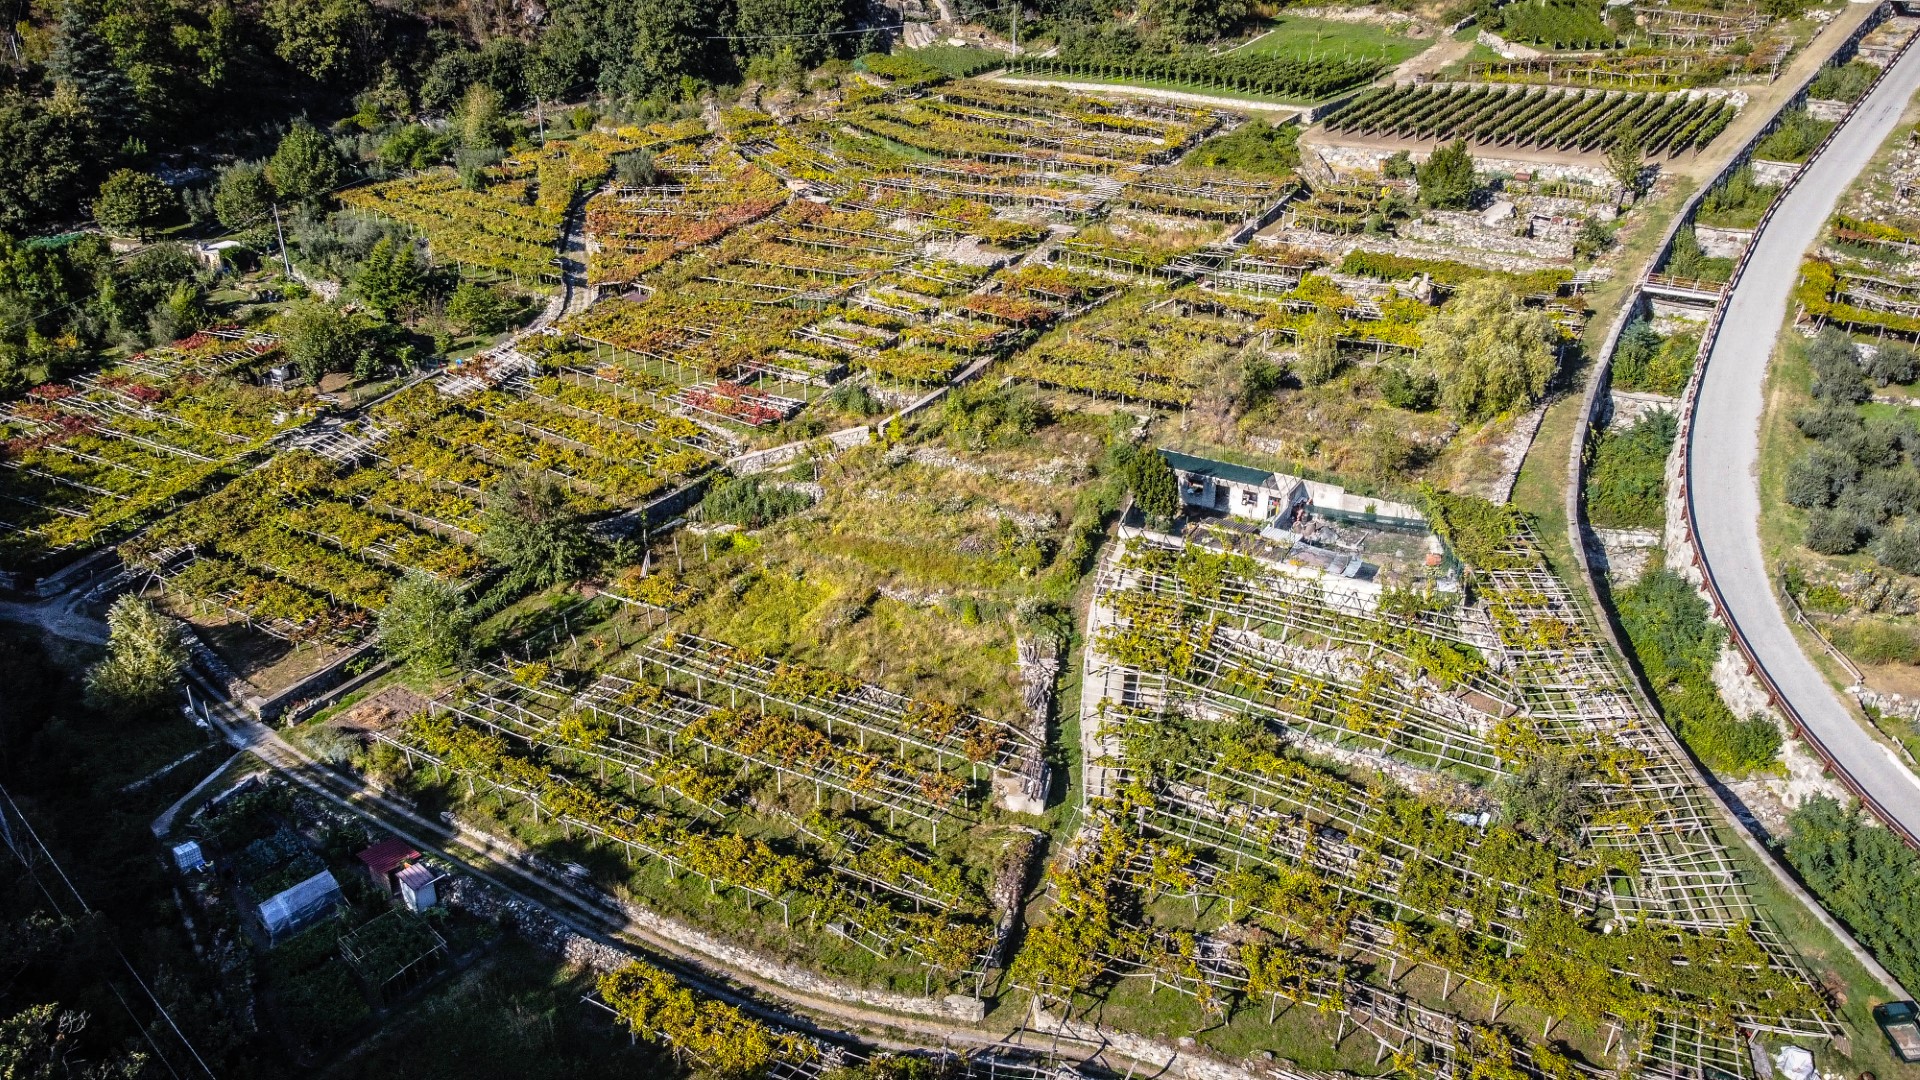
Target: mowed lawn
(1293, 35)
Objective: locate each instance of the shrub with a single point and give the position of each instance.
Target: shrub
(1837, 374)
(1899, 549)
(979, 417)
(1843, 82)
(1677, 646)
(1255, 146)
(1405, 389)
(1835, 532)
(751, 502)
(1870, 642)
(1156, 491)
(1446, 178)
(1738, 203)
(1794, 138)
(1818, 477)
(1893, 362)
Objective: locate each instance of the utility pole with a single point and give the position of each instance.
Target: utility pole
(282, 236)
(1016, 29)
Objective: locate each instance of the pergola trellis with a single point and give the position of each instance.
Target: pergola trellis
(1546, 679)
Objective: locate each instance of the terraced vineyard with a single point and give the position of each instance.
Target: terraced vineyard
(1534, 118)
(1300, 78)
(89, 461)
(510, 226)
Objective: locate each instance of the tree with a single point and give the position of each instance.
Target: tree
(1192, 21)
(323, 39)
(1835, 532)
(319, 338)
(1626, 159)
(1319, 357)
(243, 198)
(1545, 800)
(1156, 490)
(42, 1042)
(305, 165)
(145, 662)
(133, 202)
(1488, 352)
(478, 309)
(84, 64)
(1446, 177)
(49, 147)
(481, 122)
(636, 169)
(390, 278)
(800, 26)
(533, 532)
(425, 626)
(1837, 374)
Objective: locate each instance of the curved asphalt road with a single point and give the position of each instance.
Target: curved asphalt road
(1724, 446)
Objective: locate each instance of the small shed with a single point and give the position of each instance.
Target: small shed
(213, 256)
(384, 859)
(299, 907)
(187, 857)
(416, 887)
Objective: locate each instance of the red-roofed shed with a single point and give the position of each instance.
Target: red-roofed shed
(385, 858)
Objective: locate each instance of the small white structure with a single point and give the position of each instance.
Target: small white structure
(1794, 1063)
(416, 887)
(1236, 490)
(213, 256)
(1244, 492)
(187, 857)
(301, 906)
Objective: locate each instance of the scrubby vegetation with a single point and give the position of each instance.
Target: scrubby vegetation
(1626, 481)
(1864, 875)
(1677, 647)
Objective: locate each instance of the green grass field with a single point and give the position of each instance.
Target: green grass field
(1293, 35)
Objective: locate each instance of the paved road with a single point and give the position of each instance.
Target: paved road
(1723, 486)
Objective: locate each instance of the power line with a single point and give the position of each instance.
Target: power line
(111, 943)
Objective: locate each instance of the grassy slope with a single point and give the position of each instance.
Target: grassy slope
(1295, 35)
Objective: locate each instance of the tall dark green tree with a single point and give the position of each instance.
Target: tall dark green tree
(1446, 177)
(243, 198)
(533, 532)
(84, 62)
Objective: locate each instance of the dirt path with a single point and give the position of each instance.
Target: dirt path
(1442, 53)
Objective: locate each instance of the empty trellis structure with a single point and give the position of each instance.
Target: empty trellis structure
(845, 707)
(1242, 641)
(860, 909)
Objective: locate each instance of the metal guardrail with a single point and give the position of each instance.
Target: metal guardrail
(1688, 402)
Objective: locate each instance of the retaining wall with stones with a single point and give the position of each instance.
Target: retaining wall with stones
(1722, 243)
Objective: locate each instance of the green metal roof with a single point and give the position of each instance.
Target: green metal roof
(1219, 470)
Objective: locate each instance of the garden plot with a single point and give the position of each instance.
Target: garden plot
(307, 547)
(1493, 118)
(1309, 809)
(303, 550)
(88, 462)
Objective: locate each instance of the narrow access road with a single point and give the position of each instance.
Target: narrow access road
(1723, 448)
